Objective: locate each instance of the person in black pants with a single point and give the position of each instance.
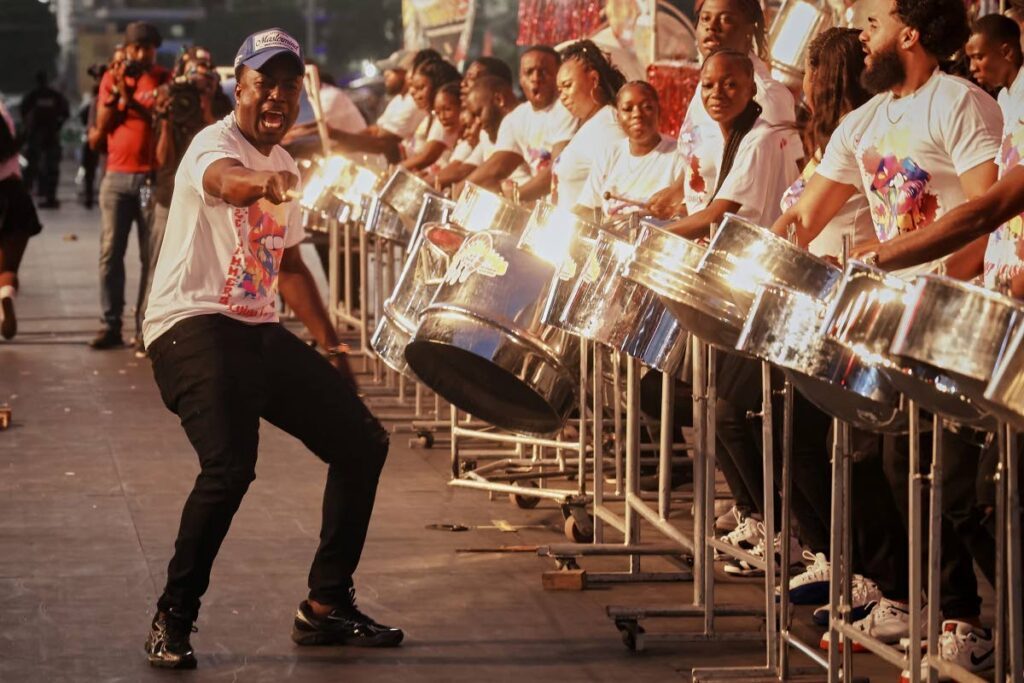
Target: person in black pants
(223, 361)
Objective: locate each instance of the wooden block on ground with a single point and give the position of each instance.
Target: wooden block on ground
(5, 417)
(564, 580)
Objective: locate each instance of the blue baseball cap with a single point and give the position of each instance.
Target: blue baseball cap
(262, 46)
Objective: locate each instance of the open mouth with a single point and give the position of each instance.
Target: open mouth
(272, 120)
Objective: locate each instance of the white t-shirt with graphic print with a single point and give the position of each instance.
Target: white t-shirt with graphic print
(907, 154)
(218, 258)
(1003, 255)
(701, 142)
(630, 177)
(533, 133)
(572, 167)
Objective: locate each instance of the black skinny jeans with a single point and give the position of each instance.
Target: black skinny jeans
(220, 376)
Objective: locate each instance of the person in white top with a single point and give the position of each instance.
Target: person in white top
(340, 112)
(448, 113)
(995, 59)
(18, 222)
(534, 133)
(737, 25)
(630, 171)
(923, 145)
(460, 166)
(587, 86)
(222, 360)
(401, 116)
(754, 170)
(832, 89)
(431, 139)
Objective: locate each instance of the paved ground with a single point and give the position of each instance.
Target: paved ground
(93, 474)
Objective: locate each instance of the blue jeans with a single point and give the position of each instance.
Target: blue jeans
(119, 208)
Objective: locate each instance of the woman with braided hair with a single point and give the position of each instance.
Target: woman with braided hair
(753, 169)
(737, 25)
(431, 140)
(587, 86)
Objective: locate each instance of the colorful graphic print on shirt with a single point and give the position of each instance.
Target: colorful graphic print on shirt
(1004, 256)
(251, 283)
(689, 142)
(899, 197)
(538, 159)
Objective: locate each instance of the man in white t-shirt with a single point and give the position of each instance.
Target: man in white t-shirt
(340, 113)
(223, 361)
(534, 133)
(922, 146)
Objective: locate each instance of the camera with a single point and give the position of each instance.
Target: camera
(96, 71)
(134, 68)
(184, 108)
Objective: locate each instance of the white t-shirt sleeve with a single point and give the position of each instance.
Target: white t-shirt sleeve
(401, 117)
(972, 130)
(461, 153)
(592, 194)
(759, 157)
(210, 145)
(509, 133)
(340, 112)
(437, 133)
(839, 162)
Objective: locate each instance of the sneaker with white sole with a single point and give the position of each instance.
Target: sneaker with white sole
(863, 593)
(811, 587)
(745, 569)
(745, 536)
(887, 622)
(965, 645)
(729, 521)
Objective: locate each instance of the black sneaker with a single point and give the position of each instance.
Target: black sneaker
(107, 338)
(345, 625)
(168, 643)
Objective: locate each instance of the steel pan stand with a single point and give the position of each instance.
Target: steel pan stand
(704, 605)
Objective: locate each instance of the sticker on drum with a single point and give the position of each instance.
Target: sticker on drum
(477, 256)
(444, 239)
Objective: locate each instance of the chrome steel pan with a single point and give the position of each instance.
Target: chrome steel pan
(1005, 391)
(864, 315)
(478, 209)
(957, 328)
(605, 307)
(785, 327)
(482, 345)
(404, 193)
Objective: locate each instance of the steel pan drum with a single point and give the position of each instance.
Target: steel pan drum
(478, 209)
(605, 307)
(1005, 392)
(957, 328)
(383, 221)
(864, 316)
(403, 193)
(743, 256)
(434, 243)
(785, 327)
(667, 265)
(481, 343)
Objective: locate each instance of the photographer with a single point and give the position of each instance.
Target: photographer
(127, 97)
(93, 149)
(186, 105)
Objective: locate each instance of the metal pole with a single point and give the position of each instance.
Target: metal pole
(768, 472)
(598, 430)
(709, 483)
(700, 493)
(632, 459)
(914, 534)
(835, 665)
(1002, 522)
(934, 547)
(787, 487)
(665, 446)
(1013, 531)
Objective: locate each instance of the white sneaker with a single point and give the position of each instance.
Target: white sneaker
(743, 568)
(745, 536)
(863, 594)
(886, 622)
(729, 521)
(811, 587)
(964, 645)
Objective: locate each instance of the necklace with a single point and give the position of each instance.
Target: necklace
(889, 117)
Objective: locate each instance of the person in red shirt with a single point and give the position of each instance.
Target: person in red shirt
(125, 119)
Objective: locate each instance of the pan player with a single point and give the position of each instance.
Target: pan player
(222, 360)
(923, 145)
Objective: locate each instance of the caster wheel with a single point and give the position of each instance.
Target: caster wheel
(574, 533)
(525, 502)
(632, 635)
(467, 466)
(425, 439)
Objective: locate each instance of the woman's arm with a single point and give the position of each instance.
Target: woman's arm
(698, 225)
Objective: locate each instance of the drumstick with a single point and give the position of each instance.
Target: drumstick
(311, 80)
(624, 200)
